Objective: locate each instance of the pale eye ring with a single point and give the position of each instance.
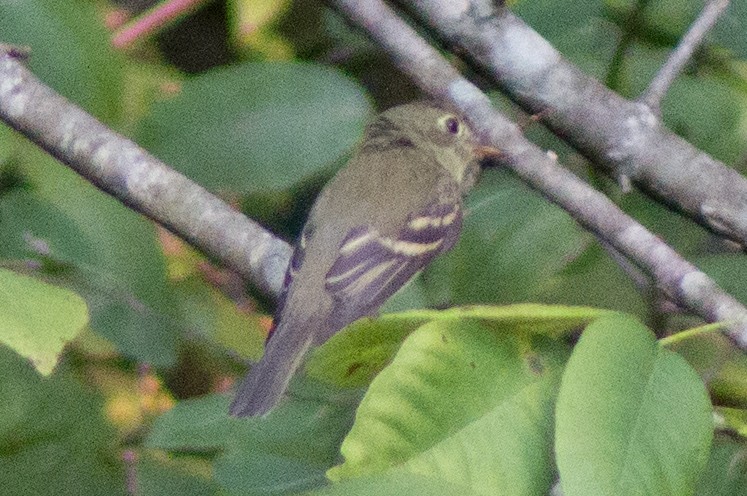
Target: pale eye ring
(451, 125)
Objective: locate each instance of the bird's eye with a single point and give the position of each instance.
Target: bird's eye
(451, 125)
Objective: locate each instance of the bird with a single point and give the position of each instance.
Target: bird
(395, 206)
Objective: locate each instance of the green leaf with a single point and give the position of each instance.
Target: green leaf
(576, 29)
(729, 270)
(116, 263)
(352, 357)
(32, 227)
(595, 279)
(513, 242)
(632, 417)
(138, 331)
(124, 243)
(165, 476)
(506, 451)
(258, 126)
(200, 424)
(258, 455)
(257, 472)
(219, 318)
(288, 451)
(726, 472)
(554, 20)
(709, 113)
(395, 482)
(728, 31)
(669, 19)
(70, 50)
(53, 439)
(459, 391)
(684, 235)
(38, 319)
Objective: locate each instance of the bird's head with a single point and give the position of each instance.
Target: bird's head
(435, 129)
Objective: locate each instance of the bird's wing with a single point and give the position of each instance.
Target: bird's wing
(371, 267)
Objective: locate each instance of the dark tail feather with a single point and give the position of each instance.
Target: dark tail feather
(266, 382)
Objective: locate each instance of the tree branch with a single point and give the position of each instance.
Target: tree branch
(124, 170)
(625, 138)
(679, 57)
(119, 167)
(675, 277)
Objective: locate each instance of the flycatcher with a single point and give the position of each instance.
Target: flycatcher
(395, 206)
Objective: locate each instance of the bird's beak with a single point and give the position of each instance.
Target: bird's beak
(484, 152)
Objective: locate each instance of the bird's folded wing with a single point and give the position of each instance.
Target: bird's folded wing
(371, 267)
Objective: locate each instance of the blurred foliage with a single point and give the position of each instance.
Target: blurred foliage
(261, 101)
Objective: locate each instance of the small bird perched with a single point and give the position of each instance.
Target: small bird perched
(394, 207)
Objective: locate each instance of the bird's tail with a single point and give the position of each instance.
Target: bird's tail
(264, 385)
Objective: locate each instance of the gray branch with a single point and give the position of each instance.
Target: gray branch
(625, 138)
(676, 278)
(124, 170)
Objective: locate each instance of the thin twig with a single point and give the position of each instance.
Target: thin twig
(624, 138)
(124, 170)
(679, 57)
(675, 277)
(153, 20)
(129, 457)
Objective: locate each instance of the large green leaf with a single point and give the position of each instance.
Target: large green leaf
(552, 19)
(709, 113)
(38, 319)
(204, 307)
(257, 126)
(595, 279)
(122, 308)
(729, 270)
(459, 391)
(632, 417)
(70, 50)
(290, 450)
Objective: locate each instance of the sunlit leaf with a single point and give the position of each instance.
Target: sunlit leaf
(38, 319)
(458, 392)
